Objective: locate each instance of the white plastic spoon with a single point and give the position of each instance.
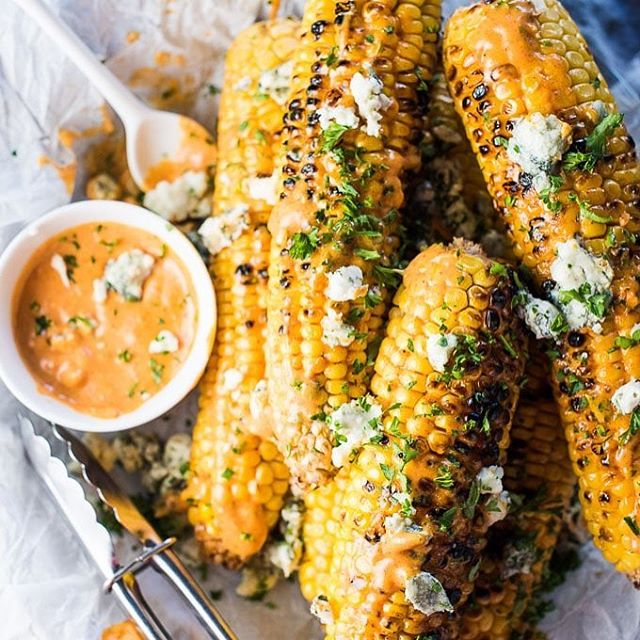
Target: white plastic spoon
(155, 139)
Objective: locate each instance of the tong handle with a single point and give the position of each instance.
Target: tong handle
(167, 562)
(130, 597)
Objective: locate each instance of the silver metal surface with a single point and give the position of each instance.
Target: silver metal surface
(110, 493)
(70, 498)
(158, 555)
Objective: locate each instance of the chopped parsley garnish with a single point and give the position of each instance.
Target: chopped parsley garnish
(509, 348)
(387, 471)
(367, 254)
(595, 145)
(227, 474)
(215, 594)
(372, 299)
(499, 270)
(626, 342)
(76, 321)
(465, 356)
(596, 303)
(410, 345)
(634, 427)
(125, 356)
(213, 90)
(469, 507)
(586, 212)
(303, 244)
(446, 519)
(633, 525)
(386, 275)
(42, 324)
(157, 370)
(444, 478)
(71, 264)
(243, 125)
(332, 135)
(332, 57)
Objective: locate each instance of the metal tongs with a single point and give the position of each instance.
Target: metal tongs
(119, 580)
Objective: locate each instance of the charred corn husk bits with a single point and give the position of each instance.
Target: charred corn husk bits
(351, 134)
(561, 167)
(407, 518)
(238, 478)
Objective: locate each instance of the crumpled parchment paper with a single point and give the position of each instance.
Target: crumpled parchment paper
(48, 588)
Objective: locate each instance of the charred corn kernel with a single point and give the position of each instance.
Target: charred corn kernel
(520, 547)
(450, 198)
(539, 75)
(235, 499)
(408, 505)
(350, 138)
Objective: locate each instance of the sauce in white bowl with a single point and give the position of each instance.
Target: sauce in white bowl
(108, 313)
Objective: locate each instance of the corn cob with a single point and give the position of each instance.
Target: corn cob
(520, 547)
(523, 75)
(411, 505)
(238, 479)
(450, 198)
(350, 137)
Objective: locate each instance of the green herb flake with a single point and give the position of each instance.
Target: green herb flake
(633, 525)
(303, 244)
(634, 427)
(446, 519)
(332, 136)
(227, 474)
(42, 323)
(157, 370)
(595, 145)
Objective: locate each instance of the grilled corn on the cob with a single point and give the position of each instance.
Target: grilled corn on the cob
(391, 542)
(560, 165)
(520, 547)
(351, 134)
(238, 479)
(450, 198)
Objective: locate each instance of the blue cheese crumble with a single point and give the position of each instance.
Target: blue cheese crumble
(543, 318)
(59, 266)
(127, 273)
(425, 592)
(583, 284)
(287, 553)
(219, 232)
(164, 342)
(345, 283)
(275, 82)
(367, 93)
(627, 398)
(185, 197)
(489, 480)
(344, 116)
(353, 424)
(537, 144)
(335, 332)
(264, 188)
(439, 349)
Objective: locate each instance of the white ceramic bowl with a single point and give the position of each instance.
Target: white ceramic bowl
(15, 258)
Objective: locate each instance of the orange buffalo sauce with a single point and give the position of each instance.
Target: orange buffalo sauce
(197, 152)
(104, 316)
